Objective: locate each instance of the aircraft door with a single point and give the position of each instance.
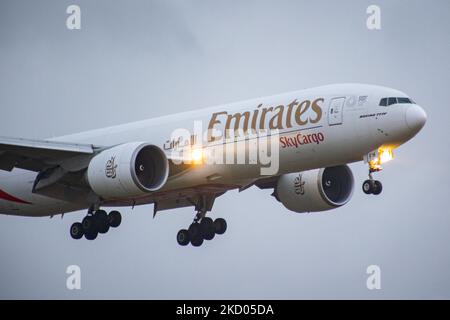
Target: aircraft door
(335, 111)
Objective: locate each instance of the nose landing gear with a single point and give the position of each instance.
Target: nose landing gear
(94, 223)
(375, 159)
(372, 186)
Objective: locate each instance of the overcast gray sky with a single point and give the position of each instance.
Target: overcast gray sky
(133, 60)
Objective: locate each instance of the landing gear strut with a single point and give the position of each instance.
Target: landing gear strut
(202, 228)
(95, 222)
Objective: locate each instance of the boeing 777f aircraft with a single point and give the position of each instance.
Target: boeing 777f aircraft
(298, 144)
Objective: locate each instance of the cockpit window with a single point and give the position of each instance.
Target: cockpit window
(393, 100)
(404, 100)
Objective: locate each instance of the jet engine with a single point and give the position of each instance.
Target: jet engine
(315, 190)
(128, 170)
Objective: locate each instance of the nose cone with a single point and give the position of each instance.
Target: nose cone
(415, 118)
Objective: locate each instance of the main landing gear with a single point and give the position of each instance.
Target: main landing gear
(200, 230)
(203, 228)
(372, 186)
(95, 223)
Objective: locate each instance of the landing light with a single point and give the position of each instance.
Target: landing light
(197, 156)
(383, 155)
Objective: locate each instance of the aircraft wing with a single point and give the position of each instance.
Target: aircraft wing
(61, 165)
(36, 155)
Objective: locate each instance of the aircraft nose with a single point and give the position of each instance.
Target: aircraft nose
(415, 118)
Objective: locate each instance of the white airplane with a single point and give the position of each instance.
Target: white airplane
(312, 134)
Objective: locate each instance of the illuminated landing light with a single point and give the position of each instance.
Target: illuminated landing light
(383, 155)
(197, 156)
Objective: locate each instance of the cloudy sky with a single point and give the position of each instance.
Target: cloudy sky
(134, 60)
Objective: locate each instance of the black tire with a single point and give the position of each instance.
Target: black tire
(89, 224)
(220, 225)
(195, 231)
(183, 237)
(368, 186)
(102, 221)
(377, 187)
(91, 235)
(207, 228)
(197, 241)
(76, 231)
(114, 219)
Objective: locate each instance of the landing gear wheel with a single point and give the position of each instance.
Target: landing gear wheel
(89, 225)
(76, 231)
(197, 241)
(114, 219)
(220, 225)
(102, 221)
(368, 186)
(91, 235)
(183, 237)
(377, 187)
(195, 231)
(207, 228)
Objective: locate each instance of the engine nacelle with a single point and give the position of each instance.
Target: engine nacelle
(128, 170)
(315, 190)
